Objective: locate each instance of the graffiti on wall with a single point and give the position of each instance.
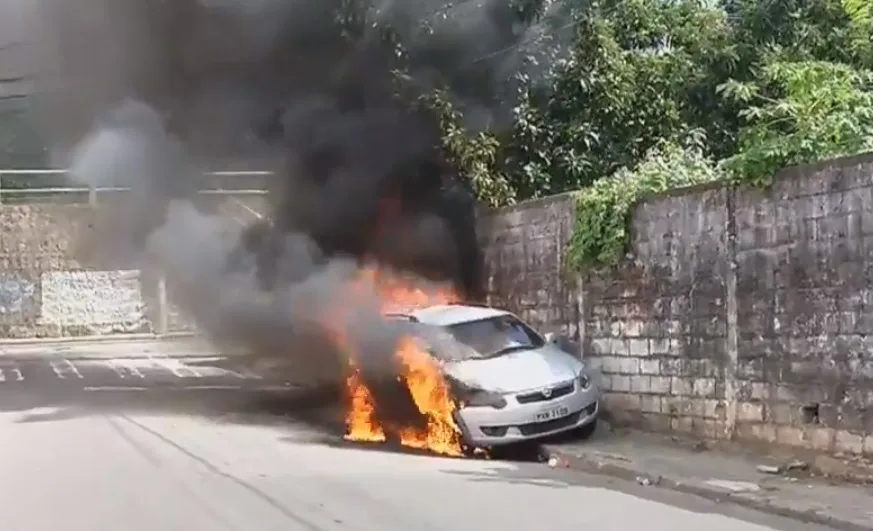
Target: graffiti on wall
(16, 295)
(109, 301)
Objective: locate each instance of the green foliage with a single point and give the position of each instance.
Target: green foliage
(768, 84)
(475, 156)
(631, 80)
(604, 209)
(800, 112)
(803, 29)
(860, 33)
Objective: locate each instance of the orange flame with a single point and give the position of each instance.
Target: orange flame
(421, 374)
(361, 424)
(431, 395)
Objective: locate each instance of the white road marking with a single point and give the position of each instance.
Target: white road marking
(207, 371)
(189, 388)
(247, 374)
(201, 359)
(180, 370)
(124, 368)
(65, 368)
(137, 369)
(9, 368)
(132, 368)
(115, 388)
(116, 368)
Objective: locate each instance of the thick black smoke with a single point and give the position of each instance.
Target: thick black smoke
(149, 93)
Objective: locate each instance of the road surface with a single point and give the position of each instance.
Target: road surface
(124, 373)
(165, 459)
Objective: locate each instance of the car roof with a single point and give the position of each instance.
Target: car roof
(452, 314)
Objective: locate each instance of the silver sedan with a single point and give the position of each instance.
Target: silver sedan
(517, 385)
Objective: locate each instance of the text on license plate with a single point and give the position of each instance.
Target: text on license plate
(551, 414)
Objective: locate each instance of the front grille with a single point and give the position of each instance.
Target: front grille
(538, 396)
(535, 428)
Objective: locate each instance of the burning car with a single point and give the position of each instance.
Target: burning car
(417, 367)
(511, 383)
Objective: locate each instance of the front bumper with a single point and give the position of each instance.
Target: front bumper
(514, 423)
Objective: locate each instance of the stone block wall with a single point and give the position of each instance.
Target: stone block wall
(737, 313)
(804, 268)
(523, 247)
(657, 325)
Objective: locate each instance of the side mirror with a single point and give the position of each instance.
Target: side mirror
(564, 343)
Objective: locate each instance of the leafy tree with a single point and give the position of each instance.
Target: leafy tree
(800, 112)
(825, 30)
(638, 96)
(639, 73)
(475, 156)
(860, 35)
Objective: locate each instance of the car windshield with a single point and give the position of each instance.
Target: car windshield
(496, 336)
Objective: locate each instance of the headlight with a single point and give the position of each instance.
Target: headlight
(484, 399)
(584, 380)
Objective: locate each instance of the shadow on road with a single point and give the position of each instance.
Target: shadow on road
(317, 410)
(46, 402)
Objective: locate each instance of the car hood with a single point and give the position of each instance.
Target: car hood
(517, 371)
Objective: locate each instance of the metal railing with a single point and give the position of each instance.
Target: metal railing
(94, 191)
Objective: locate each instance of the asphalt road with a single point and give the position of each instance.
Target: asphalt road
(135, 372)
(219, 458)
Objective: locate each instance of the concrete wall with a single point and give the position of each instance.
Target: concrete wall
(737, 313)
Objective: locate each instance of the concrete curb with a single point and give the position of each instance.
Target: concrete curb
(109, 338)
(630, 471)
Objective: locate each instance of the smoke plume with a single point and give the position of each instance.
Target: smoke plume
(147, 94)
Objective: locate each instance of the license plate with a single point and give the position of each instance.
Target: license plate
(552, 414)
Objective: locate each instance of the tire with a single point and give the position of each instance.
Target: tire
(475, 452)
(587, 431)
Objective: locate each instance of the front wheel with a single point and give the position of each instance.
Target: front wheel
(476, 452)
